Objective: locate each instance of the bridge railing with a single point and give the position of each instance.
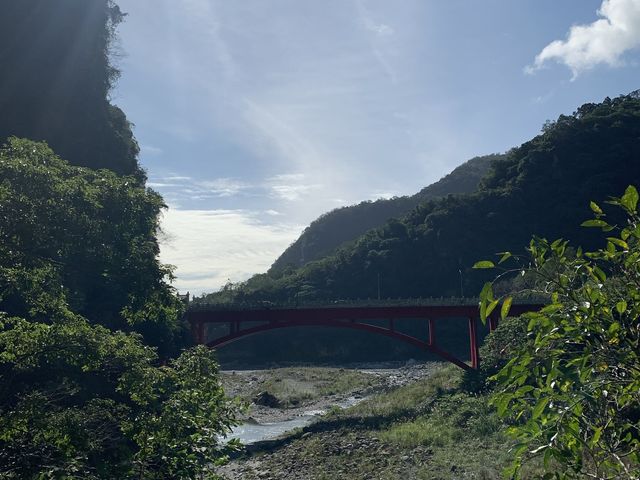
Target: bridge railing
(341, 303)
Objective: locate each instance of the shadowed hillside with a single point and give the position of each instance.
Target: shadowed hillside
(346, 224)
(56, 79)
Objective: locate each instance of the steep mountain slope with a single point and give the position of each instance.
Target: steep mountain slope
(542, 187)
(56, 78)
(346, 224)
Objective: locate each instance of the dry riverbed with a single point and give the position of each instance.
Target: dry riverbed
(280, 394)
(414, 422)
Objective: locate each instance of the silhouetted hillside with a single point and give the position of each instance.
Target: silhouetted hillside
(56, 77)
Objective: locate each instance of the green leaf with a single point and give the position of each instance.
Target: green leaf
(486, 299)
(614, 328)
(621, 307)
(594, 223)
(505, 257)
(539, 408)
(486, 294)
(484, 264)
(506, 306)
(491, 307)
(630, 198)
(599, 273)
(621, 243)
(501, 404)
(596, 209)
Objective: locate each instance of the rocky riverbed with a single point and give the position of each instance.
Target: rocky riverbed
(334, 446)
(280, 394)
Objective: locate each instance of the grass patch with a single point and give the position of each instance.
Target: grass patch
(411, 398)
(465, 437)
(452, 419)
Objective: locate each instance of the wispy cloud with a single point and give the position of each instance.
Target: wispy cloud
(212, 247)
(286, 186)
(279, 135)
(381, 32)
(223, 187)
(291, 187)
(206, 18)
(604, 41)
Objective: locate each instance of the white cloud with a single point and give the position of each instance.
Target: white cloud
(604, 41)
(290, 187)
(211, 247)
(223, 187)
(380, 30)
(177, 178)
(383, 195)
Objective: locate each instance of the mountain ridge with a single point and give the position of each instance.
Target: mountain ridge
(343, 225)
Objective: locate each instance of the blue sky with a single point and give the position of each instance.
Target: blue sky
(256, 116)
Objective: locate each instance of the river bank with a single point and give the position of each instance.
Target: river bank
(419, 424)
(281, 394)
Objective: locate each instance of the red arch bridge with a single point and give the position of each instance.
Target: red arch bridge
(233, 324)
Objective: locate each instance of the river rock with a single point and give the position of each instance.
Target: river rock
(267, 399)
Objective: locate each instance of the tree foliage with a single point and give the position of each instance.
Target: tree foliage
(572, 390)
(85, 239)
(88, 327)
(81, 401)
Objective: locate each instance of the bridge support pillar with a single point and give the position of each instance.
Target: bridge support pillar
(473, 343)
(432, 332)
(197, 330)
(493, 323)
(234, 327)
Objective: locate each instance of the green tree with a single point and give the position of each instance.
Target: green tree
(573, 390)
(88, 327)
(80, 401)
(88, 236)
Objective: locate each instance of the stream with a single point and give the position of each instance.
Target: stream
(252, 432)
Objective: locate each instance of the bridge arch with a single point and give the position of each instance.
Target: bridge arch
(241, 323)
(366, 327)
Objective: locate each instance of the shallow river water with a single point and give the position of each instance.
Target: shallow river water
(254, 432)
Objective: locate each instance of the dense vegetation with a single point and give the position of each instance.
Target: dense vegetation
(56, 79)
(95, 381)
(430, 252)
(82, 240)
(346, 224)
(571, 388)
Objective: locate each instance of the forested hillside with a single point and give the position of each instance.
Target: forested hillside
(539, 188)
(57, 77)
(346, 224)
